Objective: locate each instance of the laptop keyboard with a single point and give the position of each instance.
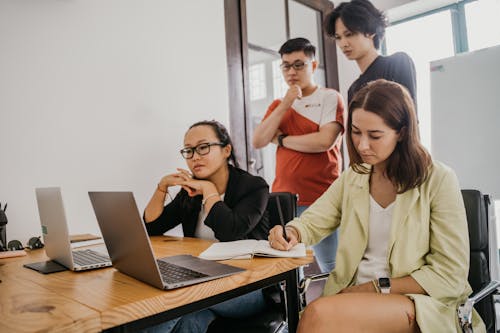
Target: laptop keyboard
(171, 273)
(89, 257)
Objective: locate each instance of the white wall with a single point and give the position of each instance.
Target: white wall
(465, 107)
(97, 94)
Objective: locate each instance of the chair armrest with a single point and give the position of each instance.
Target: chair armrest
(465, 310)
(304, 285)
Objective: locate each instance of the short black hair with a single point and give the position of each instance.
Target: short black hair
(359, 16)
(298, 44)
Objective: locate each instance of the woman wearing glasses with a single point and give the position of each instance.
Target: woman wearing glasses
(217, 201)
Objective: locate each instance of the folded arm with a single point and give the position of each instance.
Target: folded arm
(444, 275)
(402, 285)
(266, 131)
(236, 223)
(316, 142)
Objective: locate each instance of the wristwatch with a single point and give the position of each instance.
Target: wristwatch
(280, 139)
(384, 285)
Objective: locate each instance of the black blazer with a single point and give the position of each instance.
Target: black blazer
(242, 214)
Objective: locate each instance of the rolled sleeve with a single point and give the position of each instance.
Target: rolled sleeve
(322, 217)
(444, 275)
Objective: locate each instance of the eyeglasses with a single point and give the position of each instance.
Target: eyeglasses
(297, 65)
(201, 149)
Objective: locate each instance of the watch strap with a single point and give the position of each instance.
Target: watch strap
(280, 139)
(384, 285)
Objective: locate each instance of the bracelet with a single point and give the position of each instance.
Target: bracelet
(204, 201)
(375, 285)
(159, 189)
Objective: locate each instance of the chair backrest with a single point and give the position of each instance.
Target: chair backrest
(272, 319)
(281, 206)
(477, 207)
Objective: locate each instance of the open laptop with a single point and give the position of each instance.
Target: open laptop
(56, 236)
(130, 250)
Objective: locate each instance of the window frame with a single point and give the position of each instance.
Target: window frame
(458, 24)
(237, 63)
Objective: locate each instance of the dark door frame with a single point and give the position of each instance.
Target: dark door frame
(237, 64)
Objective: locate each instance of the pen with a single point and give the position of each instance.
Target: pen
(281, 218)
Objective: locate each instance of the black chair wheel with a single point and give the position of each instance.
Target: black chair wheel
(35, 243)
(14, 245)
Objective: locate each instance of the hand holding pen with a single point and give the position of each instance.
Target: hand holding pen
(279, 242)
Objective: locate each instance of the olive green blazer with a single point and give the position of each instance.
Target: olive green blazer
(428, 240)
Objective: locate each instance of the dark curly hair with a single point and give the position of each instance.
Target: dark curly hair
(359, 16)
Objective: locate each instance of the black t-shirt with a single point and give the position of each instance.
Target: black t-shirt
(397, 67)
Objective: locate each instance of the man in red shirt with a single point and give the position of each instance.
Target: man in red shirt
(307, 125)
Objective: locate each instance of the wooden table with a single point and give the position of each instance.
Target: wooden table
(105, 299)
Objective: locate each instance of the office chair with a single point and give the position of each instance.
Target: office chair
(484, 263)
(282, 206)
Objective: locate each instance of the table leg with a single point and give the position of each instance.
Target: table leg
(292, 301)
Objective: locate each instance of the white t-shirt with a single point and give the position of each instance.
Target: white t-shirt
(374, 263)
(321, 107)
(202, 230)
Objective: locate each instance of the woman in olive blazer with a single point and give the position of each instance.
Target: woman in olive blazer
(424, 244)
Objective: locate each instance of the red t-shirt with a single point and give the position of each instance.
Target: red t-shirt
(308, 174)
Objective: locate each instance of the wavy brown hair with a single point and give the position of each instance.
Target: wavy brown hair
(409, 164)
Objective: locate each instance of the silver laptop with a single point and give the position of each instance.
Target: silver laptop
(56, 237)
(130, 250)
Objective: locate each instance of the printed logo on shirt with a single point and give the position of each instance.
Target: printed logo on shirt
(314, 105)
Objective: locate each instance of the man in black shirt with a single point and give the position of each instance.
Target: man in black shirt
(359, 27)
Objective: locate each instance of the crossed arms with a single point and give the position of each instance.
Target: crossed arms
(268, 131)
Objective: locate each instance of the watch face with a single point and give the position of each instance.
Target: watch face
(384, 282)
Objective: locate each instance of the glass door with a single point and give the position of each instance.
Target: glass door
(269, 25)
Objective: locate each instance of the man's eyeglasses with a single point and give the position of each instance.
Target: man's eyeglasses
(297, 65)
(201, 149)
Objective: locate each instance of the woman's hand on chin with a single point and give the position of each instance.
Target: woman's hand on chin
(185, 174)
(195, 187)
(172, 180)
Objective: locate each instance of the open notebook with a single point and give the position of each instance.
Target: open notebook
(245, 249)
